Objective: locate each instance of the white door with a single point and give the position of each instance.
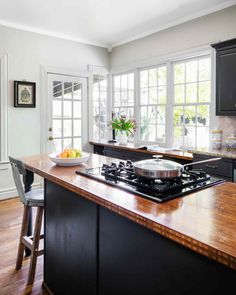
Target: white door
(67, 112)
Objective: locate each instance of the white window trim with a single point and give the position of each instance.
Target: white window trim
(168, 60)
(4, 107)
(102, 71)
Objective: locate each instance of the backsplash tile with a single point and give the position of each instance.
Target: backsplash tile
(227, 125)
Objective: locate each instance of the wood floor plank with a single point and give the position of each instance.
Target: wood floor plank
(13, 282)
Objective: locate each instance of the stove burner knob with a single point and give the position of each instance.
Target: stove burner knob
(113, 165)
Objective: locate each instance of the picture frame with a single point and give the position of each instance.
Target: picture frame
(24, 94)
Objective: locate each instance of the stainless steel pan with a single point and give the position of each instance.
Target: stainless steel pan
(164, 169)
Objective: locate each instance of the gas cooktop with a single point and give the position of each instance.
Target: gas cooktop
(121, 174)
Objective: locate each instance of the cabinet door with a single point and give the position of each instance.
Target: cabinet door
(98, 149)
(226, 82)
(70, 259)
(125, 154)
(136, 261)
(222, 168)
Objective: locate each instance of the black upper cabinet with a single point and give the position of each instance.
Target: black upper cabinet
(226, 78)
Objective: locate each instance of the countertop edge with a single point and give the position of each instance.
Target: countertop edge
(180, 238)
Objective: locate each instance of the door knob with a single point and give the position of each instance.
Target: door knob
(50, 129)
(50, 138)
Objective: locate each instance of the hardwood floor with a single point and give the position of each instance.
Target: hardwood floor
(13, 282)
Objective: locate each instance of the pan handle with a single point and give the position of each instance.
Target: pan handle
(203, 161)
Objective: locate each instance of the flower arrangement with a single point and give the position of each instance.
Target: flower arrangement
(122, 124)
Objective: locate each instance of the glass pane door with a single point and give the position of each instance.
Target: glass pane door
(65, 114)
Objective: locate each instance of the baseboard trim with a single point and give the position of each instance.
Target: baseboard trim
(10, 192)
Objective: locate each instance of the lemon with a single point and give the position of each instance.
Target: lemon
(72, 154)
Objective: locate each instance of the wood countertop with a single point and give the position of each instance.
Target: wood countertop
(204, 221)
(179, 154)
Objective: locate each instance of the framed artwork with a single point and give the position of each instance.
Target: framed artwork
(24, 94)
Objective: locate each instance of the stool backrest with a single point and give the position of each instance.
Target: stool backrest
(18, 170)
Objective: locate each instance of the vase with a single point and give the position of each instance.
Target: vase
(122, 137)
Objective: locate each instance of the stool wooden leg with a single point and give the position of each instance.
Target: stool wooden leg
(36, 240)
(24, 228)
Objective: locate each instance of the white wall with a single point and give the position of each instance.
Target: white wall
(209, 29)
(26, 52)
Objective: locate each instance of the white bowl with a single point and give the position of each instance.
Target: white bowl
(69, 161)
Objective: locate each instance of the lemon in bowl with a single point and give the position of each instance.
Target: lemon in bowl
(69, 157)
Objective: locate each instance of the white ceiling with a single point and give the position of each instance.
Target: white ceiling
(106, 23)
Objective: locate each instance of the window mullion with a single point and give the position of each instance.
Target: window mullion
(196, 107)
(184, 127)
(99, 107)
(156, 106)
(110, 109)
(72, 115)
(62, 118)
(136, 105)
(169, 106)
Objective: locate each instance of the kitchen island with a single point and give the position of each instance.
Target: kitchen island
(102, 240)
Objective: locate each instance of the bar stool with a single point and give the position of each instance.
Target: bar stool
(34, 198)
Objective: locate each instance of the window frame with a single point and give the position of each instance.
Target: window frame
(195, 104)
(3, 108)
(100, 71)
(113, 87)
(168, 61)
(135, 106)
(139, 101)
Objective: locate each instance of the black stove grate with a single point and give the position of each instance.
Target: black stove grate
(122, 175)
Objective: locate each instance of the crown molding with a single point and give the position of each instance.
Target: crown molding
(52, 34)
(175, 23)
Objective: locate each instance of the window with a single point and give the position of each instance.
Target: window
(123, 94)
(152, 105)
(65, 110)
(98, 103)
(66, 113)
(99, 110)
(171, 101)
(191, 101)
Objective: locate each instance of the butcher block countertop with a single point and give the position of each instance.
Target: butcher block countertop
(178, 154)
(204, 222)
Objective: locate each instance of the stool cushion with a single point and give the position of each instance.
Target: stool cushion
(35, 198)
